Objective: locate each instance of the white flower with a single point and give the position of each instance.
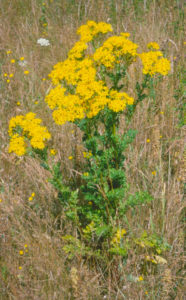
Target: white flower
(43, 42)
(22, 63)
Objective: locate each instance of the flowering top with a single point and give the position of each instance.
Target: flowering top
(72, 71)
(114, 49)
(153, 45)
(26, 128)
(92, 29)
(153, 63)
(119, 101)
(78, 90)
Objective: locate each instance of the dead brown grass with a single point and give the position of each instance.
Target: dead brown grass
(46, 272)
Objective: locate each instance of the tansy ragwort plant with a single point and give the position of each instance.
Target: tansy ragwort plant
(89, 90)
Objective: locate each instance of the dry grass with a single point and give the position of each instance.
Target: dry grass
(46, 271)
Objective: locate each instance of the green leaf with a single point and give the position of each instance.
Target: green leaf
(118, 251)
(103, 230)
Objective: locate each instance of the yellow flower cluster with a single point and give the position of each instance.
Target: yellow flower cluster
(114, 49)
(153, 45)
(92, 29)
(67, 107)
(87, 154)
(78, 50)
(17, 145)
(90, 98)
(73, 70)
(118, 236)
(31, 197)
(24, 128)
(153, 63)
(119, 101)
(78, 92)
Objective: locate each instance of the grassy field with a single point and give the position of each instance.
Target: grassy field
(33, 263)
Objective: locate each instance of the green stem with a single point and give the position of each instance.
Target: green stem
(114, 129)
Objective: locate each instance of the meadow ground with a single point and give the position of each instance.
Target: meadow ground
(33, 264)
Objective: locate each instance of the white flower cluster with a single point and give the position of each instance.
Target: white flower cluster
(43, 42)
(22, 63)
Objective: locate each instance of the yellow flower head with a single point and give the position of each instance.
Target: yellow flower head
(12, 61)
(21, 252)
(53, 152)
(26, 72)
(140, 278)
(125, 34)
(153, 45)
